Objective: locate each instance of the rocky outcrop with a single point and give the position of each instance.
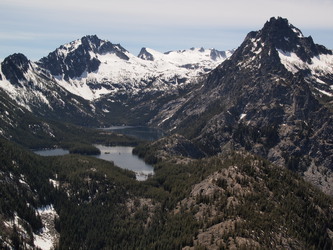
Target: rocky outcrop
(253, 101)
(72, 60)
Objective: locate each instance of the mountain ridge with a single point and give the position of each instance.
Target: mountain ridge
(222, 174)
(89, 79)
(92, 68)
(271, 96)
(252, 101)
(97, 67)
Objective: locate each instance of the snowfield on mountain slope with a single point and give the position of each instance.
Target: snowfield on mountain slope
(21, 93)
(116, 74)
(320, 65)
(48, 237)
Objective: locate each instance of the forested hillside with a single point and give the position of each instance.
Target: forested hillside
(230, 200)
(243, 132)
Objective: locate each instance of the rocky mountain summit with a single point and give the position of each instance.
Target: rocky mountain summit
(235, 124)
(92, 82)
(258, 101)
(93, 68)
(271, 96)
(72, 60)
(34, 89)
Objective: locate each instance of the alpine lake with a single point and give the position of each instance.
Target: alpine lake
(121, 156)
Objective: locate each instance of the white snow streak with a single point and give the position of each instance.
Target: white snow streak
(321, 64)
(47, 238)
(119, 74)
(242, 116)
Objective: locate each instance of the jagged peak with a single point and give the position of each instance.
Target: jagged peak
(92, 38)
(15, 66)
(278, 34)
(18, 58)
(73, 59)
(145, 54)
(91, 43)
(18, 61)
(279, 24)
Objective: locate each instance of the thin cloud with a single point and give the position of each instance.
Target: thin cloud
(161, 25)
(237, 13)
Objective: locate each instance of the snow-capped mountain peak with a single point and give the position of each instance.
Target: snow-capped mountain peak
(75, 58)
(281, 46)
(146, 55)
(298, 53)
(283, 36)
(90, 67)
(92, 44)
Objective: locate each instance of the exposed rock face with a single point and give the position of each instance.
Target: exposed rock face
(145, 55)
(14, 67)
(72, 60)
(231, 202)
(36, 90)
(253, 101)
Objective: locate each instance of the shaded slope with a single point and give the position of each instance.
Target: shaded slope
(253, 101)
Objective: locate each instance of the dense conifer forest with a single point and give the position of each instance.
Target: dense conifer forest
(236, 199)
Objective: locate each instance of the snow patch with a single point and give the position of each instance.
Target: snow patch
(298, 32)
(291, 61)
(54, 183)
(116, 74)
(324, 92)
(242, 116)
(48, 236)
(321, 64)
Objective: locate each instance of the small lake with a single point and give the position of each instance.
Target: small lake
(119, 155)
(122, 157)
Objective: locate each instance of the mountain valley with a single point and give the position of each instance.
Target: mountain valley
(246, 161)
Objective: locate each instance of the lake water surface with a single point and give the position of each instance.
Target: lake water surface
(121, 156)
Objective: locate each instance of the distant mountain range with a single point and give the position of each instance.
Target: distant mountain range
(235, 122)
(69, 83)
(92, 68)
(271, 96)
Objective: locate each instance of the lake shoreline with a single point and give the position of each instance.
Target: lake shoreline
(120, 156)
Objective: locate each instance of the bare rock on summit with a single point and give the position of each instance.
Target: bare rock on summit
(264, 99)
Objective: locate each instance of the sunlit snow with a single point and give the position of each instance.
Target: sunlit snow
(135, 72)
(242, 116)
(48, 236)
(320, 65)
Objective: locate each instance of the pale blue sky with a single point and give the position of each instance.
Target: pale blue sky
(37, 27)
